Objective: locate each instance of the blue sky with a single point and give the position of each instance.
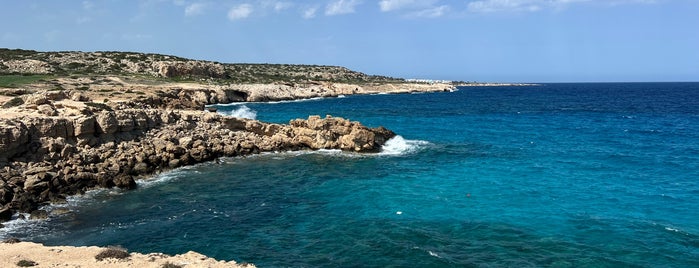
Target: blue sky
(477, 40)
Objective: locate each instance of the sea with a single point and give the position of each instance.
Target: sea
(550, 175)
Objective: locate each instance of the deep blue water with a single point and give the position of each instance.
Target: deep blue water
(559, 175)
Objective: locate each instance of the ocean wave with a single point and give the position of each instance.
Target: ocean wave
(400, 146)
(264, 102)
(20, 226)
(160, 179)
(242, 112)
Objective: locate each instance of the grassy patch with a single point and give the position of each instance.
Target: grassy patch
(114, 253)
(170, 265)
(13, 81)
(26, 263)
(11, 240)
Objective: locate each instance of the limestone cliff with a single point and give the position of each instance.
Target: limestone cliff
(46, 159)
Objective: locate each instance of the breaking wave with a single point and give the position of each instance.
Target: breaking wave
(242, 112)
(399, 146)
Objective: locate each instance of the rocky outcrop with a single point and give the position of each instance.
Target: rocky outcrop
(26, 66)
(198, 97)
(44, 159)
(190, 68)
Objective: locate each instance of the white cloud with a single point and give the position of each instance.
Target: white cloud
(391, 5)
(434, 12)
(506, 5)
(240, 12)
(194, 9)
(87, 5)
(485, 6)
(279, 6)
(340, 7)
(310, 13)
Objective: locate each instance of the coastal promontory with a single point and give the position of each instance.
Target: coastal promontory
(73, 121)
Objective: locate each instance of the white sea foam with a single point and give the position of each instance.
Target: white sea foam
(399, 146)
(671, 229)
(22, 226)
(434, 254)
(265, 102)
(242, 112)
(162, 178)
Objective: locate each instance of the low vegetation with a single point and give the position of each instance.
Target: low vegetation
(11, 240)
(15, 80)
(26, 263)
(150, 67)
(170, 265)
(114, 253)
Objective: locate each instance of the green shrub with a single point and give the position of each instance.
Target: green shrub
(26, 263)
(11, 240)
(170, 265)
(17, 101)
(114, 253)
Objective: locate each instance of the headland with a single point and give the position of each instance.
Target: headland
(75, 121)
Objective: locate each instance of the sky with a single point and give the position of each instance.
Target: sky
(469, 40)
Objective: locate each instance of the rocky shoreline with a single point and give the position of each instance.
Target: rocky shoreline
(47, 158)
(102, 120)
(16, 253)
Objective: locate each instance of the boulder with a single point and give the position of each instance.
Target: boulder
(107, 123)
(14, 136)
(84, 125)
(125, 181)
(39, 215)
(47, 109)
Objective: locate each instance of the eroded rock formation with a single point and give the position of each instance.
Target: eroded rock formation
(45, 159)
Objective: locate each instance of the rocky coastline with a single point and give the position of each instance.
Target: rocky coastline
(105, 119)
(47, 158)
(81, 123)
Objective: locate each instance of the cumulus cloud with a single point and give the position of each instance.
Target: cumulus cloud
(279, 6)
(240, 12)
(434, 12)
(485, 6)
(87, 5)
(391, 5)
(340, 7)
(505, 5)
(194, 9)
(310, 13)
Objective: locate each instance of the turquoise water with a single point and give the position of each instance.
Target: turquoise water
(560, 175)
